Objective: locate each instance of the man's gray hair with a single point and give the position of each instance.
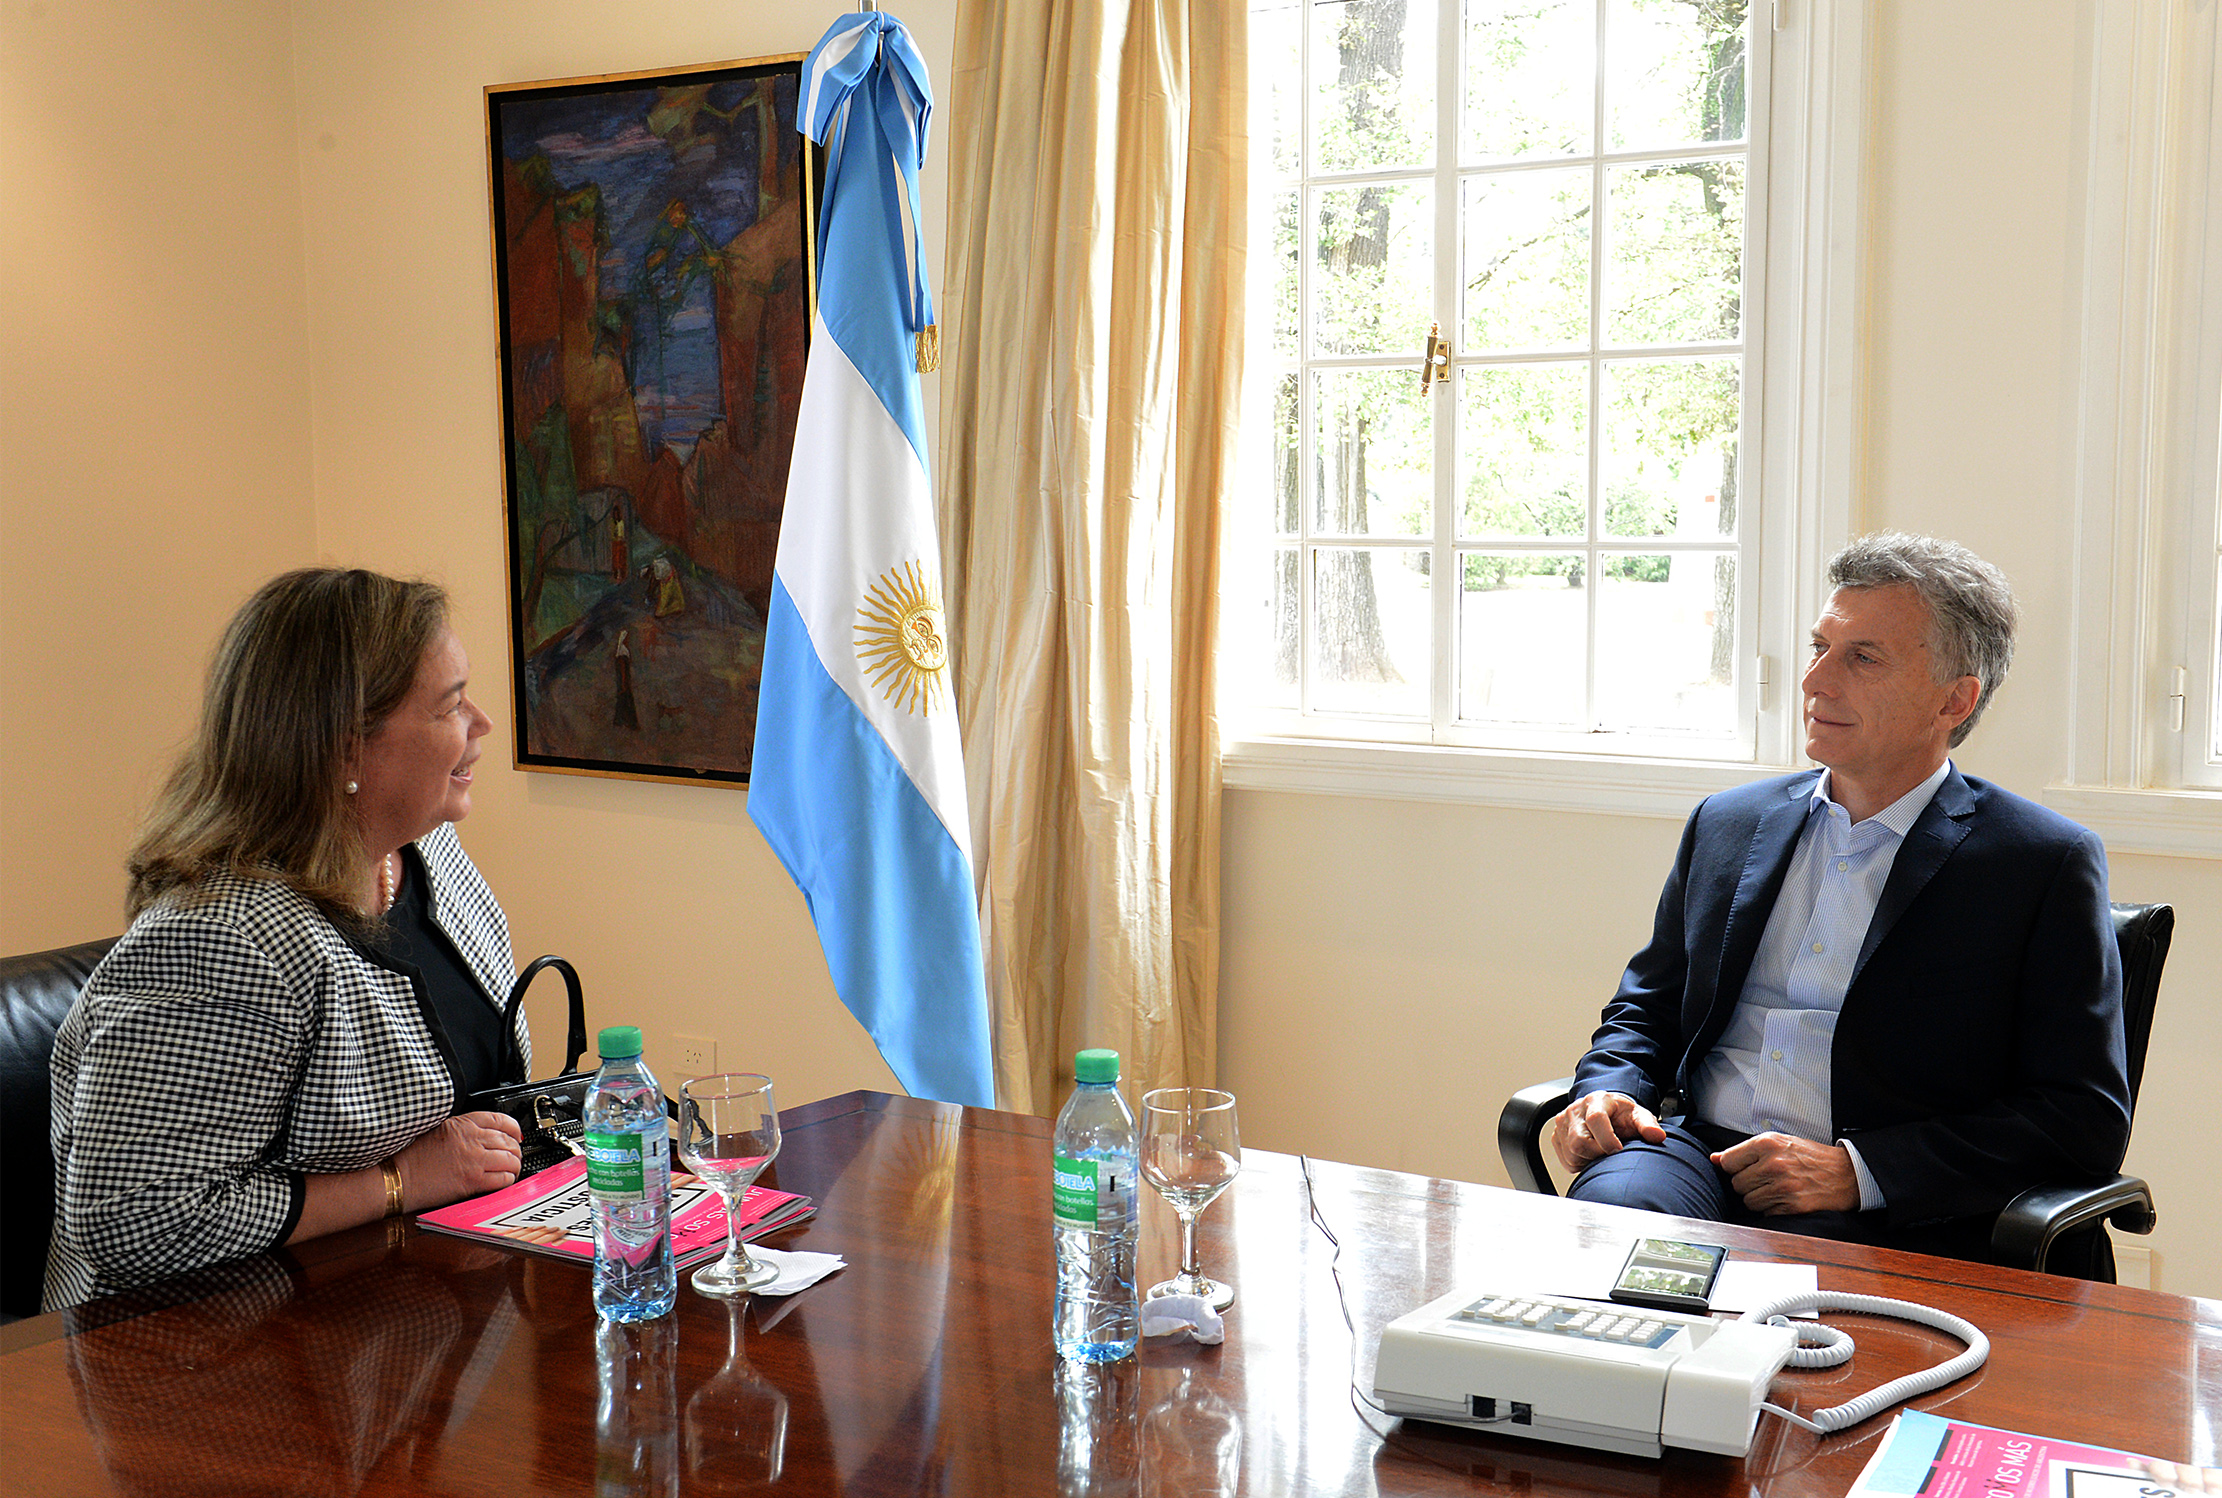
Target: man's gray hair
(1971, 608)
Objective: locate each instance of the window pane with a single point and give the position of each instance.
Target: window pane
(1373, 84)
(1287, 237)
(1674, 253)
(1283, 607)
(1526, 273)
(1666, 642)
(1370, 628)
(1277, 76)
(1530, 74)
(1375, 451)
(1522, 622)
(1669, 462)
(1674, 71)
(1523, 450)
(1374, 273)
(1286, 472)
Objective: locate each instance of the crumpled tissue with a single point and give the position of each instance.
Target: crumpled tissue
(797, 1270)
(1170, 1315)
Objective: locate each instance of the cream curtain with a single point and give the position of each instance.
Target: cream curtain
(1091, 363)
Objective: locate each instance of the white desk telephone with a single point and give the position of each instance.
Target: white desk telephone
(1625, 1379)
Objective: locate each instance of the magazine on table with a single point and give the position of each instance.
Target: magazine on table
(551, 1213)
(1938, 1458)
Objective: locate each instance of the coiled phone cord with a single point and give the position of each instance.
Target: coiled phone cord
(1831, 1347)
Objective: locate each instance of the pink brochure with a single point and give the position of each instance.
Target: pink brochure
(551, 1213)
(1937, 1458)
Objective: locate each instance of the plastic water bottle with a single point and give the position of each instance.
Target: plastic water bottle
(628, 1169)
(1098, 1319)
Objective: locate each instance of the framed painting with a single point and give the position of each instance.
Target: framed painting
(651, 271)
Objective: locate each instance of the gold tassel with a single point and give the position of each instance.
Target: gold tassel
(929, 348)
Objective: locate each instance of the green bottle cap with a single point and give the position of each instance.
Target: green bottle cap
(1095, 1066)
(620, 1041)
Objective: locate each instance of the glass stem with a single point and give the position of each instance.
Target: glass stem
(1188, 1247)
(736, 1257)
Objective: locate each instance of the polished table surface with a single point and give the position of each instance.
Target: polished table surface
(385, 1360)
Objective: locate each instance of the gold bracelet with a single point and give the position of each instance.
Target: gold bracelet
(392, 1173)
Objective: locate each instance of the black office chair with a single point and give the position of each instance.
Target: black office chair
(36, 991)
(2032, 1222)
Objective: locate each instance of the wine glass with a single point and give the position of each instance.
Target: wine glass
(728, 1132)
(1191, 1151)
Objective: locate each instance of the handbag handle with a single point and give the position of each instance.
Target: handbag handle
(576, 1041)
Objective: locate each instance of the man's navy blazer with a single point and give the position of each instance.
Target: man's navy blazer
(1979, 1051)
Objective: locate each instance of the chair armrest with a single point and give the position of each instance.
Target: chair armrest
(1520, 1133)
(2026, 1229)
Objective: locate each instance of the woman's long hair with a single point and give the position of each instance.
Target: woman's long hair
(305, 672)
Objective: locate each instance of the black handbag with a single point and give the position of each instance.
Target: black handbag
(551, 1113)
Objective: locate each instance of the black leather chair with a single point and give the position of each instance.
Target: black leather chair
(36, 992)
(2033, 1221)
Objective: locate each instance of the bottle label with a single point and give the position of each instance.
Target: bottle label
(615, 1167)
(1089, 1194)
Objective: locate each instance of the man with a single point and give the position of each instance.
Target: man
(1887, 994)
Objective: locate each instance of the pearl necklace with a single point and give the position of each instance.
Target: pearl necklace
(389, 882)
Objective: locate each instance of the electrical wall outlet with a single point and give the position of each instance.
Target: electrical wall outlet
(2135, 1264)
(698, 1057)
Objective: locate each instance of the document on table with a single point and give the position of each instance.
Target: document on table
(1928, 1456)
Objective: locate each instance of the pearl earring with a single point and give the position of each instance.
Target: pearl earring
(352, 787)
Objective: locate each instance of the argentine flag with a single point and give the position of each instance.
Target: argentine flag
(858, 777)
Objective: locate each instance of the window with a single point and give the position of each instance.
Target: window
(2146, 762)
(1579, 533)
(2180, 678)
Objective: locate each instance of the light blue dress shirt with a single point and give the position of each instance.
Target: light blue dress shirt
(1770, 1069)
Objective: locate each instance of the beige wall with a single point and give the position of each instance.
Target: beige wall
(1394, 970)
(154, 413)
(276, 258)
(254, 328)
(673, 906)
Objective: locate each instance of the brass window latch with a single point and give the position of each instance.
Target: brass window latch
(1434, 359)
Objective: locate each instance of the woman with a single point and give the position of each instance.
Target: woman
(312, 977)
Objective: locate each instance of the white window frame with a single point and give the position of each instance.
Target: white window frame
(2148, 502)
(1803, 373)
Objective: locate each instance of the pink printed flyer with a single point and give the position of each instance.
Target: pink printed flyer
(1929, 1456)
(552, 1213)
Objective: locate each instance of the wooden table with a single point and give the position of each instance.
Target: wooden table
(384, 1360)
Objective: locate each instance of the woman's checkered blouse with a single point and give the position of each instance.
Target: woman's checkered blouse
(174, 1142)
